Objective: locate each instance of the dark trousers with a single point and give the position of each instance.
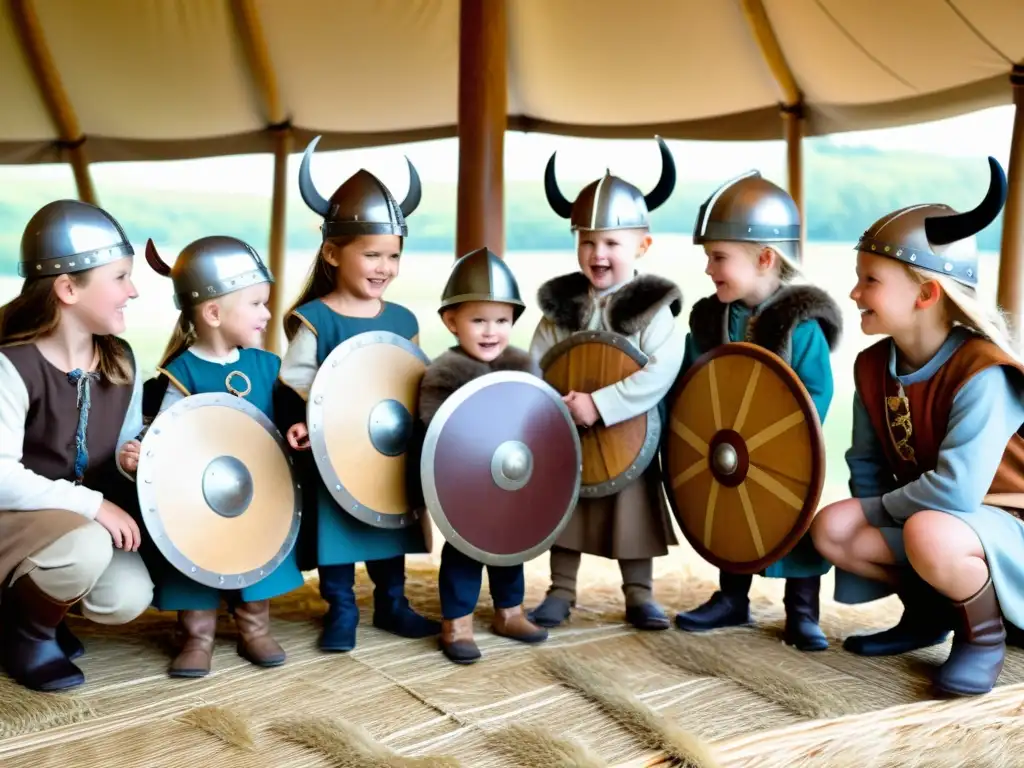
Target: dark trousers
(388, 576)
(461, 577)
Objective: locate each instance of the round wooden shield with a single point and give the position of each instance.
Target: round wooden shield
(217, 490)
(501, 468)
(612, 456)
(743, 457)
(361, 416)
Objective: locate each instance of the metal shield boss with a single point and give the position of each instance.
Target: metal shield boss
(361, 416)
(612, 456)
(217, 491)
(743, 457)
(501, 468)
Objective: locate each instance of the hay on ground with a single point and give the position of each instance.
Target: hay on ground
(222, 722)
(539, 746)
(26, 711)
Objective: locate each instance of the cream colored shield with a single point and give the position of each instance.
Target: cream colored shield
(217, 491)
(361, 417)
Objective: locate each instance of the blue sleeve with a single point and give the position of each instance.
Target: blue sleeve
(986, 413)
(408, 323)
(870, 475)
(811, 363)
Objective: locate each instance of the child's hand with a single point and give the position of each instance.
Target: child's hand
(298, 437)
(129, 456)
(582, 407)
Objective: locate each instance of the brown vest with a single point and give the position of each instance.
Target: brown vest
(49, 447)
(930, 404)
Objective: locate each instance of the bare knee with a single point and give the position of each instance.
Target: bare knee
(836, 525)
(935, 540)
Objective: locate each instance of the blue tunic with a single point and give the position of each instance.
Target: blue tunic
(341, 539)
(986, 412)
(192, 375)
(810, 361)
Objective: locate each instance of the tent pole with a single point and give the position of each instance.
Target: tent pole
(793, 123)
(1010, 291)
(483, 32)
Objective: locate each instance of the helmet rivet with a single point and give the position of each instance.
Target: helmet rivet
(887, 249)
(913, 257)
(970, 273)
(948, 267)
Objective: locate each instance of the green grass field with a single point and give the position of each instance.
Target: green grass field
(151, 317)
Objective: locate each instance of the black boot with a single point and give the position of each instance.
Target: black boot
(70, 644)
(926, 621)
(802, 614)
(979, 646)
(729, 607)
(29, 650)
(391, 609)
(342, 617)
(551, 612)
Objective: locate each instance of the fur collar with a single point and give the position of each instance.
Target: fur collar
(453, 368)
(776, 321)
(566, 301)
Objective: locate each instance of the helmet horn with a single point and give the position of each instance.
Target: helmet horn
(942, 230)
(412, 197)
(556, 199)
(155, 262)
(307, 188)
(667, 183)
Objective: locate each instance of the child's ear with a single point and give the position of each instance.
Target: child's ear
(448, 318)
(330, 253)
(766, 258)
(65, 290)
(645, 243)
(210, 312)
(929, 294)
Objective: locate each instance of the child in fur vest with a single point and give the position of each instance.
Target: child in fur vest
(750, 230)
(479, 310)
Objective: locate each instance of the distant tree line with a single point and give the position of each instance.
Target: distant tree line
(846, 189)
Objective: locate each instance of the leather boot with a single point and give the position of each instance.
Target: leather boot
(255, 642)
(196, 654)
(728, 607)
(552, 611)
(70, 644)
(802, 614)
(513, 624)
(29, 650)
(926, 621)
(979, 646)
(457, 640)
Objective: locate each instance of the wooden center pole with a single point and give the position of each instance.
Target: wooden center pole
(1010, 291)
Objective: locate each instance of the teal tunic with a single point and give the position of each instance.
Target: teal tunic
(188, 373)
(341, 539)
(810, 361)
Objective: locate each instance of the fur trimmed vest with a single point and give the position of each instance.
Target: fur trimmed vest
(566, 301)
(453, 368)
(775, 323)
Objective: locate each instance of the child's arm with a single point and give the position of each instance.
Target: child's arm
(664, 343)
(986, 413)
(298, 370)
(810, 362)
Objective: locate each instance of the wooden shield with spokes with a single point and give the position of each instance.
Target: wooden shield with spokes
(743, 458)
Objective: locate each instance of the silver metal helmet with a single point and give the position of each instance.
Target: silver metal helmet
(611, 202)
(210, 267)
(360, 206)
(751, 209)
(68, 236)
(482, 276)
(936, 237)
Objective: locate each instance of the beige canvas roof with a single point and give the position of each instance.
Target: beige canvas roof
(161, 79)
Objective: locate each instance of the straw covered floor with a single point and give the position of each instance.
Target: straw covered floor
(596, 694)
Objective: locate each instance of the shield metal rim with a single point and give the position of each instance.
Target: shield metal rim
(430, 448)
(318, 442)
(652, 439)
(147, 501)
(816, 487)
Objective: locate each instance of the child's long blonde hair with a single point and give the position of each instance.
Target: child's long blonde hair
(182, 337)
(35, 313)
(963, 307)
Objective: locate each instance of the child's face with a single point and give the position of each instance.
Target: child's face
(98, 301)
(606, 257)
(482, 328)
(886, 295)
(241, 316)
(737, 270)
(367, 265)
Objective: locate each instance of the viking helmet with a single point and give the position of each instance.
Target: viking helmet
(360, 206)
(482, 276)
(68, 236)
(210, 267)
(936, 237)
(751, 209)
(610, 202)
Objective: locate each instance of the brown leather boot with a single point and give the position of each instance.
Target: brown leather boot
(29, 649)
(196, 654)
(979, 646)
(513, 624)
(255, 643)
(457, 640)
